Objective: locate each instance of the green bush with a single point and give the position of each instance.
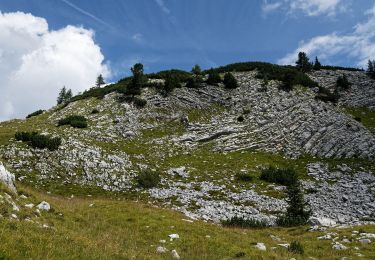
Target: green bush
(74, 121)
(230, 81)
(36, 140)
(296, 248)
(280, 176)
(95, 111)
(213, 77)
(180, 75)
(36, 113)
(171, 82)
(240, 118)
(139, 102)
(194, 82)
(245, 177)
(343, 82)
(326, 96)
(244, 223)
(296, 213)
(148, 179)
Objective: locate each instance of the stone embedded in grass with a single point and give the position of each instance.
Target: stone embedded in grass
(339, 246)
(30, 206)
(284, 245)
(365, 241)
(181, 172)
(7, 178)
(175, 254)
(44, 206)
(261, 246)
(161, 250)
(173, 236)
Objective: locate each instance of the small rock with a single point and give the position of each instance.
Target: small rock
(162, 241)
(161, 250)
(284, 245)
(365, 241)
(339, 246)
(30, 206)
(173, 236)
(261, 246)
(44, 206)
(175, 254)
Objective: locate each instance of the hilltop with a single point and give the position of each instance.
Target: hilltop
(209, 145)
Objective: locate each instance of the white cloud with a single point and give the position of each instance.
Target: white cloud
(358, 45)
(36, 62)
(163, 7)
(307, 7)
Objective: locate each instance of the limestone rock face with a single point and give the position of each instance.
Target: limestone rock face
(7, 178)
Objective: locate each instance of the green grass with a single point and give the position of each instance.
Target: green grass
(367, 116)
(122, 229)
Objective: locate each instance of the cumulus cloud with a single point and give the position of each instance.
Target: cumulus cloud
(307, 7)
(36, 62)
(358, 45)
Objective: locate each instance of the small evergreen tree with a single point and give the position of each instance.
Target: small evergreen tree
(171, 82)
(371, 69)
(296, 213)
(317, 64)
(213, 77)
(64, 95)
(99, 81)
(134, 87)
(303, 63)
(230, 81)
(60, 98)
(196, 70)
(343, 82)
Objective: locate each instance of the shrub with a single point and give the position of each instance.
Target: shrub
(213, 77)
(230, 81)
(36, 113)
(95, 111)
(148, 179)
(358, 119)
(296, 214)
(180, 75)
(139, 102)
(343, 82)
(296, 248)
(36, 140)
(240, 118)
(171, 82)
(279, 176)
(244, 177)
(194, 82)
(74, 121)
(244, 223)
(326, 96)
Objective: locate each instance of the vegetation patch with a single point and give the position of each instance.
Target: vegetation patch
(280, 176)
(244, 223)
(74, 121)
(36, 140)
(148, 179)
(36, 113)
(296, 248)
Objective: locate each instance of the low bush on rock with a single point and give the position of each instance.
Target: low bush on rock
(95, 111)
(36, 113)
(213, 77)
(148, 179)
(138, 102)
(244, 223)
(230, 81)
(296, 248)
(343, 82)
(245, 177)
(280, 176)
(326, 96)
(36, 140)
(74, 121)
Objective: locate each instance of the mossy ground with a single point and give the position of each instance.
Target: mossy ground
(123, 229)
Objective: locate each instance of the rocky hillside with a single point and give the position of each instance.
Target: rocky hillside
(200, 140)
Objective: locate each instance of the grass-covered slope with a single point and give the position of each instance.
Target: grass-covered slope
(107, 228)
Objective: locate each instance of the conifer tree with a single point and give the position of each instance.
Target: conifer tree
(213, 77)
(61, 96)
(134, 87)
(317, 64)
(99, 81)
(303, 63)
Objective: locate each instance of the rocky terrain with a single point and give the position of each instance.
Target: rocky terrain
(188, 136)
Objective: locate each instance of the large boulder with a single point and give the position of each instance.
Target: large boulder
(7, 178)
(326, 222)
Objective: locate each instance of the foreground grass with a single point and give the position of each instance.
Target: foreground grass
(122, 229)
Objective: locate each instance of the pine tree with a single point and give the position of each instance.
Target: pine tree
(196, 70)
(213, 77)
(317, 64)
(371, 69)
(303, 63)
(68, 95)
(230, 81)
(343, 82)
(171, 82)
(296, 213)
(99, 81)
(61, 97)
(134, 87)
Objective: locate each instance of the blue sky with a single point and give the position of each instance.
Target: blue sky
(164, 34)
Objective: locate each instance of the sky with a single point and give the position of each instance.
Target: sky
(47, 44)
